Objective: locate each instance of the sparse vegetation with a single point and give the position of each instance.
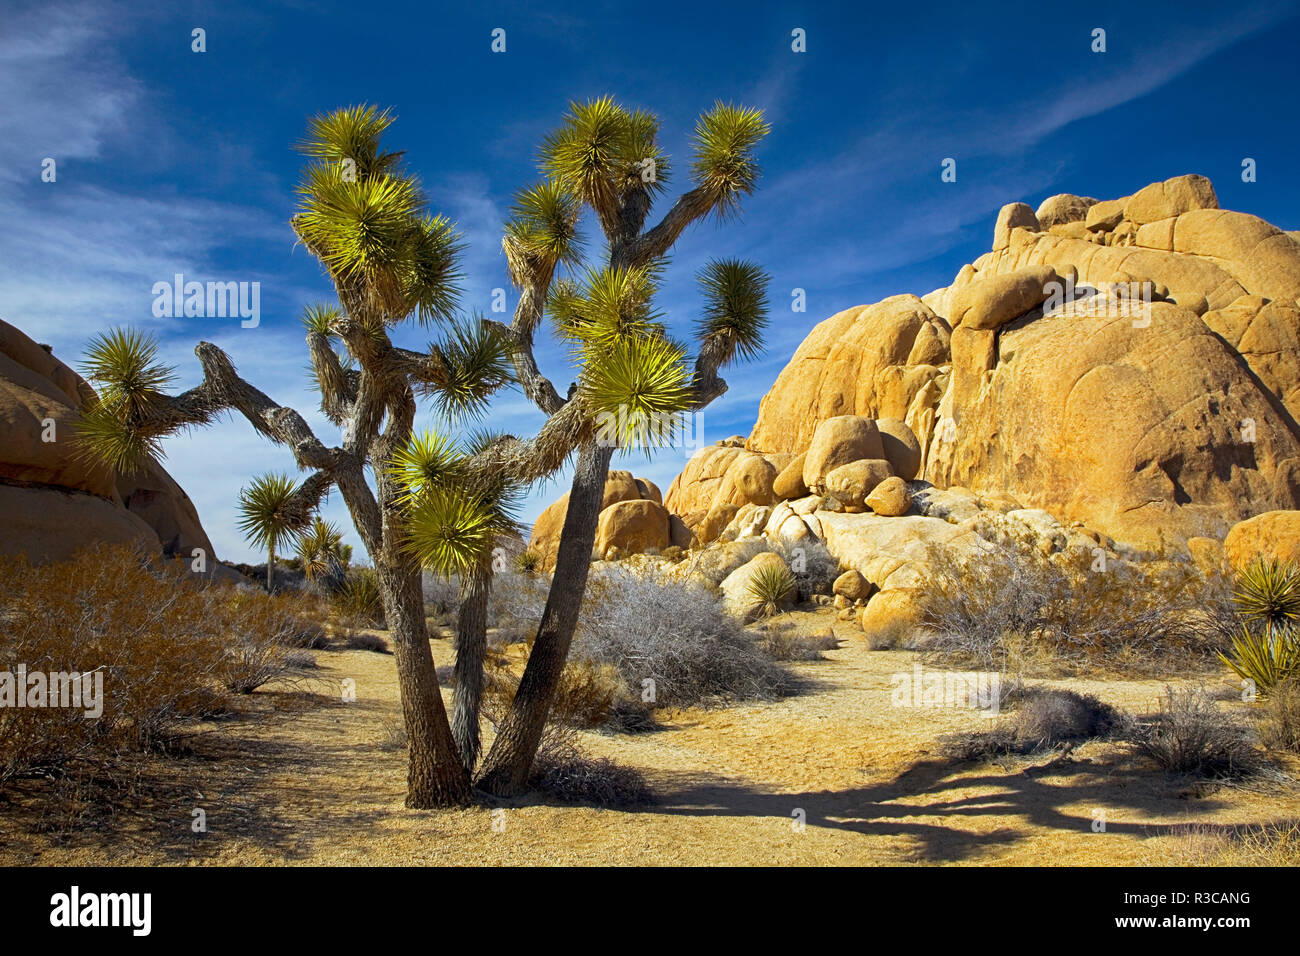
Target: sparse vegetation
(168, 650)
(781, 641)
(1191, 735)
(358, 601)
(1264, 844)
(568, 774)
(1046, 718)
(1054, 614)
(1279, 718)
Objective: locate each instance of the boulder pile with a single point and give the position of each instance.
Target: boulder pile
(1119, 377)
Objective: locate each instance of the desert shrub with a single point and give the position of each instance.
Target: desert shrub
(1190, 734)
(1046, 718)
(1018, 609)
(783, 642)
(1054, 716)
(813, 566)
(1279, 718)
(250, 663)
(441, 595)
(528, 561)
(153, 635)
(360, 641)
(637, 632)
(653, 627)
(567, 773)
(769, 588)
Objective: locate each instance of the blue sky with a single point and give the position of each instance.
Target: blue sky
(173, 161)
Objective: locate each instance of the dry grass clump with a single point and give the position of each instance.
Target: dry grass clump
(1050, 717)
(568, 774)
(781, 641)
(1046, 718)
(361, 641)
(167, 648)
(1017, 609)
(1279, 718)
(1191, 735)
(1257, 844)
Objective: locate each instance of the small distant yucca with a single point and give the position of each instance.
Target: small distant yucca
(770, 587)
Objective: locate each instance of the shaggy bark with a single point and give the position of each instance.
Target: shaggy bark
(510, 761)
(471, 646)
(435, 777)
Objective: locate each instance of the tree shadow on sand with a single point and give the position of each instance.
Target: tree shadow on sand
(905, 805)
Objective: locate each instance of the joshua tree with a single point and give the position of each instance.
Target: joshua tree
(322, 552)
(606, 159)
(434, 503)
(270, 515)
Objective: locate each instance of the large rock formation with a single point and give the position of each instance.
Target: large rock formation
(1116, 380)
(52, 502)
(1132, 365)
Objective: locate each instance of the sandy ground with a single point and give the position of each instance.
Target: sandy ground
(314, 780)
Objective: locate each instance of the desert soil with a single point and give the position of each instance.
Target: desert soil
(314, 780)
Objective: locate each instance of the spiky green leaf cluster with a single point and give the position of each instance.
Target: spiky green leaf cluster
(602, 151)
(123, 364)
(770, 587)
(319, 317)
(104, 437)
(638, 388)
(426, 460)
(1268, 592)
(735, 308)
(321, 550)
(365, 218)
(724, 164)
(542, 231)
(469, 365)
(1266, 656)
(450, 532)
(269, 515)
(351, 133)
(608, 306)
(453, 516)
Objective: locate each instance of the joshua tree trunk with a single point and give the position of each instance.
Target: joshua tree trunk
(435, 777)
(471, 645)
(270, 563)
(510, 761)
